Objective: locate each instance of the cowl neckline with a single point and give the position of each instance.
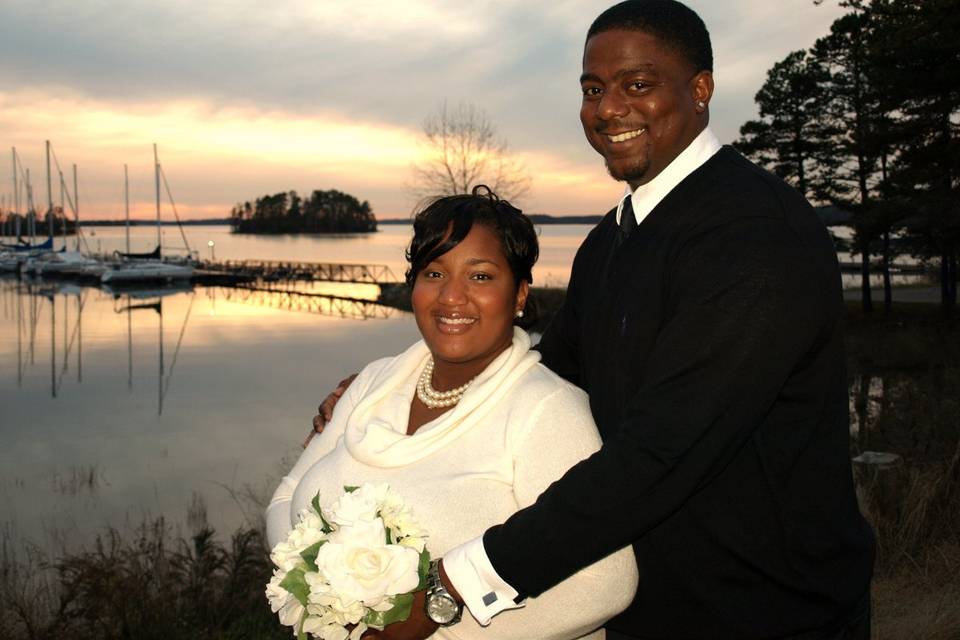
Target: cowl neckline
(376, 429)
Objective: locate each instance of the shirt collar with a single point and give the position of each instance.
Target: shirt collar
(647, 196)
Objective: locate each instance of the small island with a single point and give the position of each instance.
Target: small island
(286, 212)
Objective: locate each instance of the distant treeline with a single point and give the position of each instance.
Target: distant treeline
(13, 224)
(536, 218)
(286, 212)
(153, 223)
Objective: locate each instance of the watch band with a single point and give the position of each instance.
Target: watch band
(440, 605)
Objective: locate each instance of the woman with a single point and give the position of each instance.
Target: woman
(466, 425)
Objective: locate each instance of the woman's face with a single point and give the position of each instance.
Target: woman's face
(465, 301)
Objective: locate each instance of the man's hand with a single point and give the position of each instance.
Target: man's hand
(326, 408)
(416, 627)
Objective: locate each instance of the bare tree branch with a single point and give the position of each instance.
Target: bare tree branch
(462, 150)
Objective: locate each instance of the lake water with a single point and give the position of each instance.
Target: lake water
(114, 408)
(558, 245)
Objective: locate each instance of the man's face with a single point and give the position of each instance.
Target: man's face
(640, 103)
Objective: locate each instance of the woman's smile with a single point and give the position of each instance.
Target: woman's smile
(454, 324)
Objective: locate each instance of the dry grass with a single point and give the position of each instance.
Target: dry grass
(144, 584)
(922, 602)
(915, 507)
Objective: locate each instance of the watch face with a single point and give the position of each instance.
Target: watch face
(441, 608)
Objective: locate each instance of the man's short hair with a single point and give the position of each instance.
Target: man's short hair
(673, 23)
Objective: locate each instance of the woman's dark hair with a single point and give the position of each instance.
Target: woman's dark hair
(458, 214)
(676, 25)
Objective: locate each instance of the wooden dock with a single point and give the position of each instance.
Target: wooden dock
(237, 271)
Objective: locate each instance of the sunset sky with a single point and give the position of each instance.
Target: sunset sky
(245, 98)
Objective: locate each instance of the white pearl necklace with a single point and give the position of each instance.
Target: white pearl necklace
(438, 399)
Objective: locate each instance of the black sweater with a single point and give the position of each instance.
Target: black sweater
(710, 344)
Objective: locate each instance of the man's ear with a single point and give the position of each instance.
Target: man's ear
(701, 87)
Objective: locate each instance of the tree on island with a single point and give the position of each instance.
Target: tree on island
(462, 150)
(286, 212)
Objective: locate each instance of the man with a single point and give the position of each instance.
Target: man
(703, 317)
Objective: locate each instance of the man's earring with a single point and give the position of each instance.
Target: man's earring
(701, 105)
(519, 314)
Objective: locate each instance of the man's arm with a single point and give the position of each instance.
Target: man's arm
(747, 306)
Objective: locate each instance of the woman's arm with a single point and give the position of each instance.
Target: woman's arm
(559, 433)
(279, 512)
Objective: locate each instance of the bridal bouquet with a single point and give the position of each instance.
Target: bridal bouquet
(349, 567)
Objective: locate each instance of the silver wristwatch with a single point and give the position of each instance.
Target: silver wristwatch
(440, 605)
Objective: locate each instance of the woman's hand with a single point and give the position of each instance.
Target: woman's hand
(325, 410)
(416, 627)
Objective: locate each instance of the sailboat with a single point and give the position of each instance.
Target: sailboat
(71, 263)
(147, 267)
(34, 264)
(13, 256)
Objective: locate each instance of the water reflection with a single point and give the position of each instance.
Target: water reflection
(290, 299)
(120, 405)
(908, 412)
(150, 300)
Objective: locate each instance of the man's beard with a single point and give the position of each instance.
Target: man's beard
(631, 174)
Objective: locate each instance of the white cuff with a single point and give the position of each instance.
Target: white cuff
(483, 590)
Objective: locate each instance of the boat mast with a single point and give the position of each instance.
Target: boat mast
(63, 208)
(156, 175)
(31, 211)
(16, 189)
(49, 199)
(126, 203)
(76, 207)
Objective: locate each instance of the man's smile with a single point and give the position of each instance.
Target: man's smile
(627, 135)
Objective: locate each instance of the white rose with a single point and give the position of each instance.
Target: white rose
(359, 566)
(360, 505)
(309, 519)
(326, 631)
(305, 533)
(335, 631)
(322, 601)
(283, 602)
(414, 542)
(286, 554)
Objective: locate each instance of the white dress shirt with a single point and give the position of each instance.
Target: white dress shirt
(647, 196)
(483, 591)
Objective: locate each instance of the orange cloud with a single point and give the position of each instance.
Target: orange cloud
(216, 156)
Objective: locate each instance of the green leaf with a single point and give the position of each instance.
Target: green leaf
(402, 605)
(349, 488)
(295, 583)
(326, 528)
(309, 555)
(389, 535)
(423, 568)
